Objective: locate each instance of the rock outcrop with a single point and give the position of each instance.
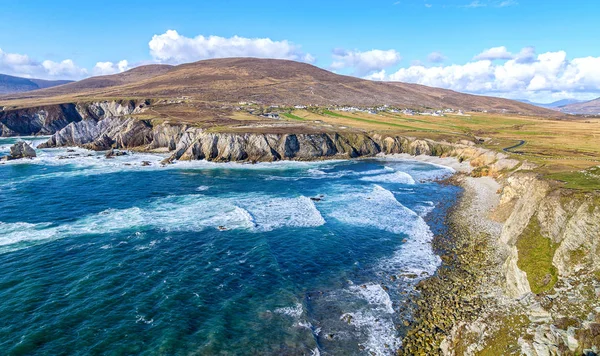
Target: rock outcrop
(44, 120)
(193, 143)
(49, 119)
(547, 278)
(20, 150)
(567, 221)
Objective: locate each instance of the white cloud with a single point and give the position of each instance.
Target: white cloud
(494, 54)
(381, 75)
(508, 3)
(526, 75)
(364, 63)
(527, 55)
(171, 47)
(23, 66)
(65, 69)
(490, 3)
(475, 4)
(436, 57)
(106, 68)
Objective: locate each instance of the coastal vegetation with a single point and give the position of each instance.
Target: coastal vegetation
(535, 258)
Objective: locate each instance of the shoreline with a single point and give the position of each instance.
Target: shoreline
(519, 272)
(455, 294)
(481, 298)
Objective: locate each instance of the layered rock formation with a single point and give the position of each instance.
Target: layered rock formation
(47, 120)
(103, 132)
(553, 267)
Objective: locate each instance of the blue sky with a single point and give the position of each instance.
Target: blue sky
(431, 40)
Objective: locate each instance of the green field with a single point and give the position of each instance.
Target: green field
(563, 150)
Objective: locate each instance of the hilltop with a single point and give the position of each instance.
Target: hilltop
(10, 84)
(265, 81)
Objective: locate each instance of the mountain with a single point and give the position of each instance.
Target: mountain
(591, 107)
(267, 81)
(554, 105)
(10, 84)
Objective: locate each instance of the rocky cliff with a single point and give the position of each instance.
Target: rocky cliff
(552, 236)
(116, 129)
(47, 120)
(539, 293)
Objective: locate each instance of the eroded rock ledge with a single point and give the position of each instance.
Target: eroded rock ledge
(49, 119)
(186, 142)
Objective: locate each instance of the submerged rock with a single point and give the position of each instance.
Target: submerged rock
(114, 153)
(20, 150)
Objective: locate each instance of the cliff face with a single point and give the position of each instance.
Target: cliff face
(47, 120)
(546, 263)
(104, 128)
(192, 143)
(563, 223)
(37, 121)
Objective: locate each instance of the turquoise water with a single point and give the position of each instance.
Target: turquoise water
(106, 256)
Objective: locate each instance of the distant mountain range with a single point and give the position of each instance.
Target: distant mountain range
(554, 105)
(10, 84)
(571, 106)
(591, 107)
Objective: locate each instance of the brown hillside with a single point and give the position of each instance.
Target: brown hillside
(267, 81)
(587, 108)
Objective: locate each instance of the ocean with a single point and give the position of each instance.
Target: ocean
(120, 257)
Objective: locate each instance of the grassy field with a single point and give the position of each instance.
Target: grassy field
(564, 150)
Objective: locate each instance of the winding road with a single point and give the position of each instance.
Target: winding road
(508, 149)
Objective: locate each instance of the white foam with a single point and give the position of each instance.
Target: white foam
(374, 321)
(142, 319)
(316, 172)
(11, 233)
(375, 295)
(275, 213)
(380, 331)
(432, 175)
(175, 213)
(376, 208)
(87, 163)
(396, 177)
(295, 311)
(202, 188)
(420, 171)
(416, 255)
(424, 210)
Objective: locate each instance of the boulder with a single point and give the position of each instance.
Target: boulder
(114, 153)
(20, 150)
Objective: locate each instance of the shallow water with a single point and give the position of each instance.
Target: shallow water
(108, 256)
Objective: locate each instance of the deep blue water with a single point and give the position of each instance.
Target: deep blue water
(104, 256)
